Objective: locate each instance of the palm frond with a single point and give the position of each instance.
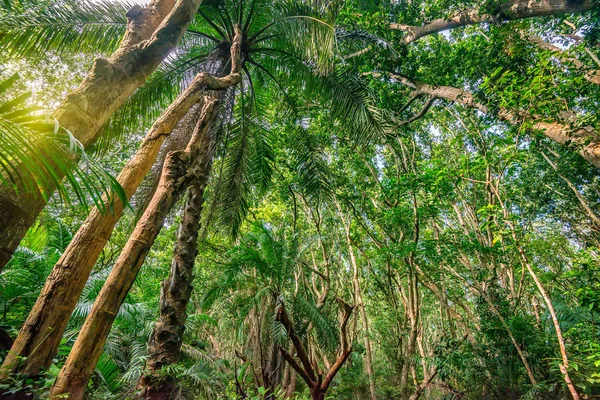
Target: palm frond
(37, 27)
(327, 334)
(310, 164)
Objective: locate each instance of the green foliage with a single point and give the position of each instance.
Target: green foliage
(320, 186)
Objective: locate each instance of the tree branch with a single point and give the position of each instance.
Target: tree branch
(288, 357)
(581, 138)
(506, 11)
(282, 317)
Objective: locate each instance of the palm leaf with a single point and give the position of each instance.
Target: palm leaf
(35, 154)
(35, 27)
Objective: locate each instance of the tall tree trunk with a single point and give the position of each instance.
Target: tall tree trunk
(164, 346)
(180, 168)
(152, 33)
(40, 335)
(360, 304)
(564, 367)
(81, 362)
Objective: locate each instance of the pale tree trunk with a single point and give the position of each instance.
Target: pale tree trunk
(411, 303)
(479, 288)
(584, 204)
(564, 367)
(497, 313)
(583, 139)
(506, 11)
(152, 33)
(81, 362)
(360, 304)
(41, 333)
(590, 75)
(179, 169)
(164, 345)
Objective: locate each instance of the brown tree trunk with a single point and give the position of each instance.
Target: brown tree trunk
(506, 11)
(317, 382)
(164, 346)
(40, 335)
(152, 33)
(81, 362)
(564, 367)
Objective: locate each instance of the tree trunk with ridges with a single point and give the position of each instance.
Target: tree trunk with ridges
(81, 362)
(41, 333)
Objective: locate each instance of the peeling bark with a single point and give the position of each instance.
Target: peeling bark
(81, 362)
(180, 169)
(40, 335)
(164, 346)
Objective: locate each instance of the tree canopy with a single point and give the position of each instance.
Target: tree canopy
(303, 199)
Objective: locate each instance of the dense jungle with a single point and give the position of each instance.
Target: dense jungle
(299, 199)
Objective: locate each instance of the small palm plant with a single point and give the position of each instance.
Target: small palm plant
(260, 273)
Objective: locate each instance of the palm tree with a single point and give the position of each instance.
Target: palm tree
(258, 277)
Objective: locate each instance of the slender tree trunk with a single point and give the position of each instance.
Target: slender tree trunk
(40, 335)
(564, 367)
(584, 204)
(361, 308)
(291, 387)
(164, 346)
(81, 362)
(583, 138)
(508, 330)
(152, 33)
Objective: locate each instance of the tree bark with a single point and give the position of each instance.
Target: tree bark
(152, 33)
(317, 383)
(564, 367)
(180, 168)
(505, 11)
(590, 75)
(40, 335)
(361, 306)
(164, 346)
(582, 138)
(81, 362)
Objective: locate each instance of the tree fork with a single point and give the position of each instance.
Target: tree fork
(316, 382)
